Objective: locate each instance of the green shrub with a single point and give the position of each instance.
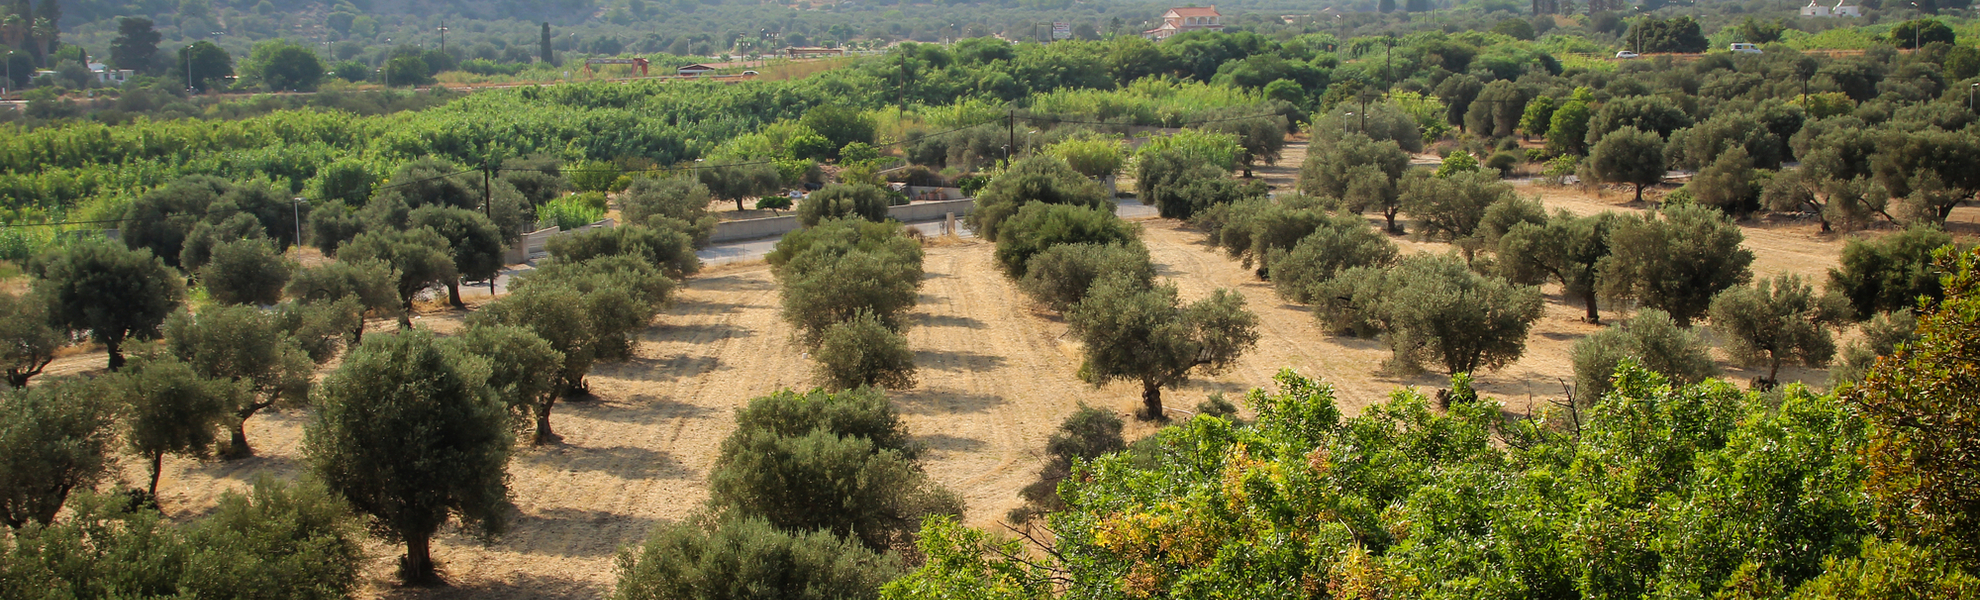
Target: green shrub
(1060, 276)
(840, 201)
(862, 352)
(1651, 339)
(1040, 226)
(716, 559)
(568, 212)
(1776, 321)
(778, 202)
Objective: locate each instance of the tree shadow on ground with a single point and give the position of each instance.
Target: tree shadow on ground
(679, 366)
(638, 408)
(957, 360)
(951, 321)
(624, 462)
(950, 443)
(923, 401)
(733, 283)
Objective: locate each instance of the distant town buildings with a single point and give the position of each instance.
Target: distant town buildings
(1186, 19)
(1841, 9)
(108, 76)
(795, 52)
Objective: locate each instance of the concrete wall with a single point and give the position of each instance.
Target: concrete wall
(750, 229)
(532, 244)
(929, 211)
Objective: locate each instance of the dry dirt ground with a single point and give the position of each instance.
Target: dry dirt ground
(996, 376)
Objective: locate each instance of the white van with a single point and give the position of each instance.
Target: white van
(1745, 48)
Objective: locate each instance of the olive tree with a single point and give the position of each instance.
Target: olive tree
(1261, 138)
(522, 368)
(1627, 156)
(1648, 337)
(168, 408)
(161, 219)
(1729, 183)
(843, 201)
(1451, 208)
(1145, 335)
(1890, 273)
(111, 292)
(27, 341)
(740, 180)
(245, 346)
(1342, 242)
(1039, 226)
(1775, 321)
(371, 286)
(706, 558)
(1037, 178)
(246, 272)
(587, 311)
(1674, 260)
(666, 248)
(847, 468)
(208, 235)
(1434, 308)
(370, 441)
(1060, 276)
(54, 439)
(420, 258)
(862, 351)
(1567, 249)
(833, 272)
(682, 199)
(473, 240)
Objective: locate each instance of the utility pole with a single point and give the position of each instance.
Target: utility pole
(189, 87)
(1010, 127)
(903, 91)
(1364, 112)
(488, 210)
(443, 37)
(295, 205)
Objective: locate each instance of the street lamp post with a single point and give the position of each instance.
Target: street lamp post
(295, 206)
(1915, 29)
(443, 37)
(189, 51)
(1969, 96)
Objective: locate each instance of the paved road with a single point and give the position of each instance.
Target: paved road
(755, 249)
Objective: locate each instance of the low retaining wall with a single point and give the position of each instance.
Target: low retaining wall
(929, 211)
(532, 244)
(750, 229)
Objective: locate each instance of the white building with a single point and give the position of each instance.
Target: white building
(108, 76)
(1841, 9)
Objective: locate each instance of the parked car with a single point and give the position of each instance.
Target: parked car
(1626, 54)
(749, 72)
(1745, 48)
